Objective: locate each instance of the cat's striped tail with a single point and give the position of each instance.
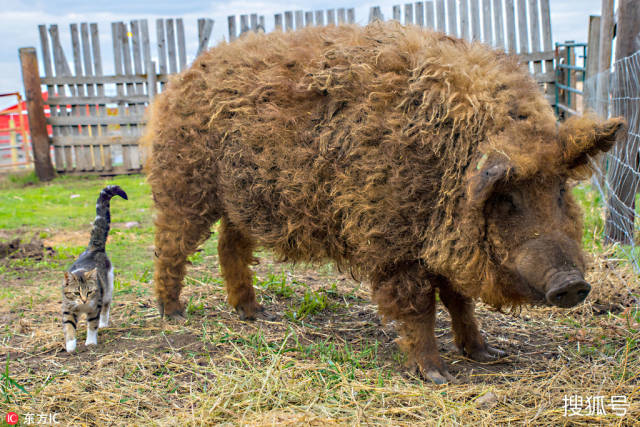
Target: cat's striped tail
(101, 224)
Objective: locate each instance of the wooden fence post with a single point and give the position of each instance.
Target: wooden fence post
(35, 109)
(604, 60)
(624, 173)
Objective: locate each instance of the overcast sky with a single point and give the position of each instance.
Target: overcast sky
(19, 20)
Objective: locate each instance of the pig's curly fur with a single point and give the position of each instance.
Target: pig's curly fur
(347, 144)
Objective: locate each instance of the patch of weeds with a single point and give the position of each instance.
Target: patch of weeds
(144, 277)
(123, 287)
(30, 263)
(204, 280)
(196, 258)
(64, 253)
(193, 307)
(23, 179)
(277, 285)
(8, 384)
(312, 303)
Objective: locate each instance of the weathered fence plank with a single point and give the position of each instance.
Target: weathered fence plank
(205, 27)
(534, 25)
(182, 47)
(510, 12)
(171, 46)
(452, 13)
(299, 19)
(464, 19)
(441, 21)
(408, 14)
(487, 29)
(288, 21)
(105, 152)
(342, 17)
(523, 33)
(430, 14)
(62, 68)
(419, 13)
(351, 16)
(231, 20)
(331, 17)
(58, 152)
(499, 23)
(476, 33)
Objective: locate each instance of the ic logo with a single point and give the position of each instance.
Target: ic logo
(12, 418)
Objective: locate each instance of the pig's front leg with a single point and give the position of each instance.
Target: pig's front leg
(405, 294)
(467, 335)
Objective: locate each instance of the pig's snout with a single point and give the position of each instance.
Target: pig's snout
(567, 289)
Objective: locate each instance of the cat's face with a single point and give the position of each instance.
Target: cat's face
(81, 288)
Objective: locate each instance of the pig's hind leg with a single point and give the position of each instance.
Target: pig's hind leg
(235, 251)
(177, 236)
(404, 293)
(467, 334)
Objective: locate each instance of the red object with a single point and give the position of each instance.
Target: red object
(12, 418)
(12, 112)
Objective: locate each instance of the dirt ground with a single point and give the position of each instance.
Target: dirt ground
(335, 365)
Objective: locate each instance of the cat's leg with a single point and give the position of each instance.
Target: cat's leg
(104, 315)
(69, 324)
(177, 237)
(235, 251)
(92, 327)
(106, 300)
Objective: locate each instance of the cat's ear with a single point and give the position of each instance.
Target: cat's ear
(91, 274)
(67, 278)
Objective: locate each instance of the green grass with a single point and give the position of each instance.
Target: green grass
(69, 202)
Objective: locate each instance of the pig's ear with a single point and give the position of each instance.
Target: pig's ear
(483, 179)
(581, 137)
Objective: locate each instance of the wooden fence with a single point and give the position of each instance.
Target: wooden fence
(97, 119)
(517, 26)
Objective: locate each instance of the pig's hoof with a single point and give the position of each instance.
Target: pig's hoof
(172, 310)
(253, 311)
(437, 374)
(487, 354)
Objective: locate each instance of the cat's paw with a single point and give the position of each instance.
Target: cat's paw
(92, 338)
(70, 346)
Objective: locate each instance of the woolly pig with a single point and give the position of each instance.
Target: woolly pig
(419, 162)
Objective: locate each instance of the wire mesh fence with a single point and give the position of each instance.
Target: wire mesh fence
(616, 93)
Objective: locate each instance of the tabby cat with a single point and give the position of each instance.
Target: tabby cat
(88, 283)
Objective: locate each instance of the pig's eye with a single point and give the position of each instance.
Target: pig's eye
(563, 191)
(506, 204)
